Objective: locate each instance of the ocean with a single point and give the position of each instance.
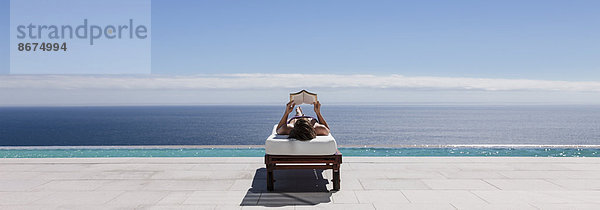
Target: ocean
(250, 125)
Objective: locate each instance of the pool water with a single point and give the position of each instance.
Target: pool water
(259, 152)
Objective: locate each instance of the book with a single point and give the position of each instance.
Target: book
(303, 97)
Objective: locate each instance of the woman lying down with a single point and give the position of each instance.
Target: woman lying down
(300, 126)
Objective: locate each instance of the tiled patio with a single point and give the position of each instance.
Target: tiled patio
(239, 183)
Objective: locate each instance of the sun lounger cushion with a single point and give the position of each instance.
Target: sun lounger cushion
(281, 145)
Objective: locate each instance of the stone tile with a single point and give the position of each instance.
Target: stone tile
(120, 175)
(550, 175)
(581, 166)
(139, 197)
(577, 184)
(529, 175)
(242, 184)
(123, 185)
(413, 175)
(61, 175)
(226, 167)
(125, 206)
(328, 174)
(228, 207)
(442, 196)
(166, 166)
(538, 167)
(465, 206)
(20, 185)
(523, 184)
(28, 207)
(364, 174)
(108, 167)
(485, 167)
(344, 196)
(216, 175)
(238, 160)
(179, 185)
(579, 206)
(472, 175)
(19, 175)
(519, 197)
(458, 184)
(71, 185)
(345, 167)
(377, 166)
(78, 198)
(17, 167)
(414, 206)
(250, 199)
(204, 175)
(336, 206)
(393, 184)
(276, 199)
(218, 197)
(175, 198)
(181, 207)
(21, 198)
(381, 196)
(271, 207)
(585, 196)
(350, 184)
(431, 167)
(59, 167)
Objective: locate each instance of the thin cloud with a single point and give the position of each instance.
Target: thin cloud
(294, 81)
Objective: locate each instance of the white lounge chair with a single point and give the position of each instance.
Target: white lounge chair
(282, 152)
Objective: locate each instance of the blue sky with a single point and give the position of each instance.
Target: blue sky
(543, 39)
(228, 52)
(4, 36)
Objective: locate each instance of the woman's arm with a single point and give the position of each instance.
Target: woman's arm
(321, 128)
(282, 127)
(317, 107)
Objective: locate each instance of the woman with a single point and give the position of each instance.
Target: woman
(302, 127)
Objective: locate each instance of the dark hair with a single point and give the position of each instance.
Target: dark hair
(303, 130)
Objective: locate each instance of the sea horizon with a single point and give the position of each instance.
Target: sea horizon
(351, 125)
(281, 104)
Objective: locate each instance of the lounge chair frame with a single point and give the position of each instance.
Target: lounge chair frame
(281, 162)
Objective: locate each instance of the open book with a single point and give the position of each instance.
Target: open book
(303, 97)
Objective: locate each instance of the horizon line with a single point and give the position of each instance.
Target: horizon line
(262, 81)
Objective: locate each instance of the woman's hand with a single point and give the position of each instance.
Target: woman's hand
(317, 107)
(289, 107)
(282, 127)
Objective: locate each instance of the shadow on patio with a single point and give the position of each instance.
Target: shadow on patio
(292, 187)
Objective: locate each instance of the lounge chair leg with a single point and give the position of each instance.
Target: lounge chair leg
(336, 178)
(270, 179)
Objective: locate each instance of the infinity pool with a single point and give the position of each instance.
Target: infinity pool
(259, 152)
